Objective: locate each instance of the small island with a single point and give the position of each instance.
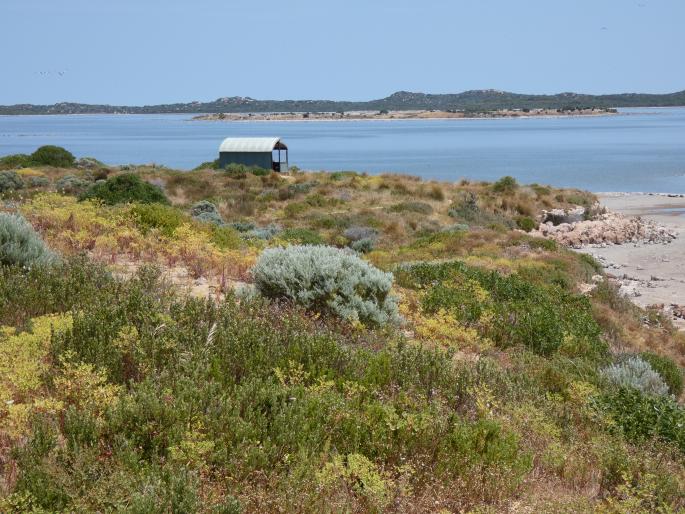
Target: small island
(416, 114)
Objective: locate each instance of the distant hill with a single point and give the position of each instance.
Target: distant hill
(478, 100)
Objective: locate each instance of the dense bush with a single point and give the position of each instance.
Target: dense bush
(10, 181)
(638, 374)
(41, 290)
(641, 416)
(20, 245)
(159, 216)
(508, 309)
(505, 185)
(18, 160)
(226, 237)
(669, 371)
(44, 156)
(323, 278)
(363, 245)
(51, 155)
(526, 223)
(71, 184)
(125, 188)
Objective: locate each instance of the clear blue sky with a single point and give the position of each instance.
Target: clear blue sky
(155, 51)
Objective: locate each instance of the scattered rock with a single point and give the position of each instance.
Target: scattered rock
(561, 216)
(605, 229)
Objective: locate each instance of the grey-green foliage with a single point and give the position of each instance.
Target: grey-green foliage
(37, 181)
(358, 233)
(363, 245)
(636, 373)
(265, 233)
(71, 184)
(456, 227)
(10, 181)
(20, 245)
(362, 239)
(206, 212)
(323, 278)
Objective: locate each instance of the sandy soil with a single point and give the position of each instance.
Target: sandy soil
(649, 273)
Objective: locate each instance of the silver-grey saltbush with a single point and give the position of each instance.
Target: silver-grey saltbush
(20, 245)
(638, 374)
(323, 278)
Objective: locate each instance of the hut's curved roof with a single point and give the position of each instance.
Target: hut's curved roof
(251, 144)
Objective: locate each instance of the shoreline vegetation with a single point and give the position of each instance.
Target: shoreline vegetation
(405, 115)
(238, 341)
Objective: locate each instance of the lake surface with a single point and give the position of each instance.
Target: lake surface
(639, 150)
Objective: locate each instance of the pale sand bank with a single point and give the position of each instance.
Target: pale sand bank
(649, 273)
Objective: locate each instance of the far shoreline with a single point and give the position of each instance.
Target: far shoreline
(408, 115)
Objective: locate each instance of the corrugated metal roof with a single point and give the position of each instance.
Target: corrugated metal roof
(249, 144)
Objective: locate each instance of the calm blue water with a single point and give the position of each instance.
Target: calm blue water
(643, 150)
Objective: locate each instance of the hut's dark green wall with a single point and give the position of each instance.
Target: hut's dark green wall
(261, 159)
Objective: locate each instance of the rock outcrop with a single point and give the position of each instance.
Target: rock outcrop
(607, 228)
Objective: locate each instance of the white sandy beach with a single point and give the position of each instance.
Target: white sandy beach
(649, 273)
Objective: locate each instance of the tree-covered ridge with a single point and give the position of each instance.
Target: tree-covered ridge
(477, 100)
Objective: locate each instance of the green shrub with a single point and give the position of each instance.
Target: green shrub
(294, 209)
(20, 245)
(505, 185)
(667, 369)
(18, 160)
(125, 188)
(484, 448)
(526, 223)
(302, 236)
(71, 184)
(10, 181)
(638, 374)
(226, 237)
(159, 216)
(41, 290)
(51, 155)
(323, 278)
(538, 316)
(641, 416)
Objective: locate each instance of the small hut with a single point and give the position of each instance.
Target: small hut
(266, 152)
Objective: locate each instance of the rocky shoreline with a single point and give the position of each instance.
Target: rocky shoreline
(607, 228)
(637, 239)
